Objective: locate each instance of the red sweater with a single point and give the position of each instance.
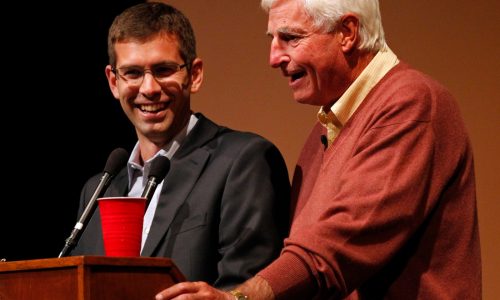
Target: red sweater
(388, 211)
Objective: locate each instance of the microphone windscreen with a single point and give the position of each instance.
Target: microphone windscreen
(116, 160)
(159, 167)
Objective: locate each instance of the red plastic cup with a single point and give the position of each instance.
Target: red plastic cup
(121, 222)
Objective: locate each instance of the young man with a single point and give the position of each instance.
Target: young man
(221, 213)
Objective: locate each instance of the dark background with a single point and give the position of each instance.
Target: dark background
(59, 120)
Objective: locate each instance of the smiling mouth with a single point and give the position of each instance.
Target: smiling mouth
(152, 108)
(296, 76)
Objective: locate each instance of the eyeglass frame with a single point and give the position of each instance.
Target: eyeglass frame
(140, 79)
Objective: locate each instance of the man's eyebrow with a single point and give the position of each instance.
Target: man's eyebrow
(287, 30)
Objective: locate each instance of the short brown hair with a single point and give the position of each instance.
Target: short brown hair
(146, 20)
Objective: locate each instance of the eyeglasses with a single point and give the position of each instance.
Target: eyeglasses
(134, 76)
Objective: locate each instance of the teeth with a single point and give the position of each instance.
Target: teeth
(152, 107)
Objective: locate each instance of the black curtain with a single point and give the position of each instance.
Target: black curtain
(60, 121)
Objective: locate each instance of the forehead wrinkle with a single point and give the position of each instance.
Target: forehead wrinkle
(290, 20)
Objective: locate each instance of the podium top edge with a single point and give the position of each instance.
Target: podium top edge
(74, 261)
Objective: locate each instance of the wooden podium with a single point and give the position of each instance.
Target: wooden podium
(87, 278)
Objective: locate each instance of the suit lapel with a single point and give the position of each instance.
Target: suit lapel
(186, 167)
(119, 185)
(179, 182)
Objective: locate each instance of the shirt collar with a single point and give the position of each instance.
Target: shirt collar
(168, 151)
(347, 104)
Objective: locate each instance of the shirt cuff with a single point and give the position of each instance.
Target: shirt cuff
(289, 278)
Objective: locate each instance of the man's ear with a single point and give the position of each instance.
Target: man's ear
(196, 74)
(349, 32)
(112, 81)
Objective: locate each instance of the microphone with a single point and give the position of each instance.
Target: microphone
(324, 141)
(116, 160)
(159, 169)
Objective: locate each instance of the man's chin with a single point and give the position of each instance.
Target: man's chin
(302, 99)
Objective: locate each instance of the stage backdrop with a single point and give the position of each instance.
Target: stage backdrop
(453, 41)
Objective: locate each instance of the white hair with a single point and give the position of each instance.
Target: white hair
(326, 13)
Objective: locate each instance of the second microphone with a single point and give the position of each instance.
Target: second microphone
(159, 169)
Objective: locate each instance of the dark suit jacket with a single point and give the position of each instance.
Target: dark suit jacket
(223, 210)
